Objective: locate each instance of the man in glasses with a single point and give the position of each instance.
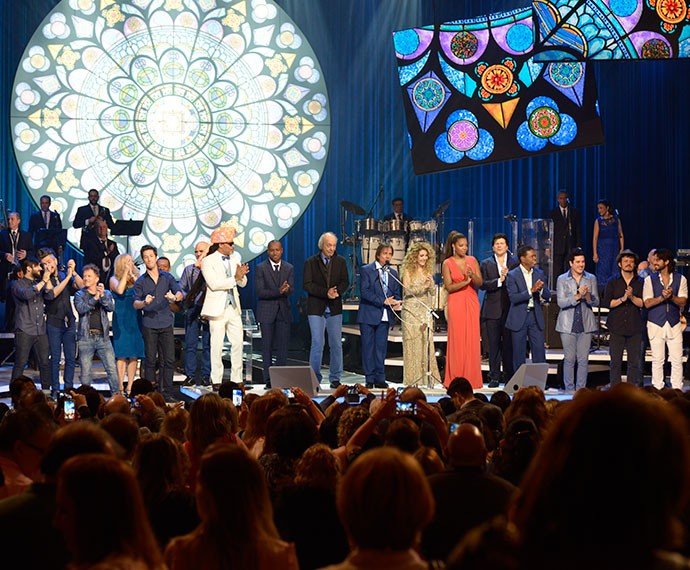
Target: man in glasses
(224, 273)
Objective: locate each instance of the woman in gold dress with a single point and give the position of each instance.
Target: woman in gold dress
(418, 287)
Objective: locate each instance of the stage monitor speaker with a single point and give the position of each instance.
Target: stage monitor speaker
(528, 375)
(302, 377)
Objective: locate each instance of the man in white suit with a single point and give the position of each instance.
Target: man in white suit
(223, 273)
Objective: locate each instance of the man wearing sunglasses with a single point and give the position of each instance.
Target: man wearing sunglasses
(223, 273)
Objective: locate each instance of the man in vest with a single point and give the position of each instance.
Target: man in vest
(665, 293)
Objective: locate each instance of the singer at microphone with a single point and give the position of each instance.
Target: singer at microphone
(380, 296)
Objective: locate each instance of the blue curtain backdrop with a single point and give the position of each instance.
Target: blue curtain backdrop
(642, 168)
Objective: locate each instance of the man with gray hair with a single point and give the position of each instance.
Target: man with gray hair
(325, 279)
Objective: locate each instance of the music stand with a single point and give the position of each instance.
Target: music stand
(127, 228)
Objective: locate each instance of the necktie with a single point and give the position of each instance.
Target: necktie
(384, 278)
(276, 268)
(46, 218)
(231, 292)
(14, 242)
(226, 257)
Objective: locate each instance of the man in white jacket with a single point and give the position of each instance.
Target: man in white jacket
(223, 273)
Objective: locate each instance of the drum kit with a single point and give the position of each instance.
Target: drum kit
(368, 233)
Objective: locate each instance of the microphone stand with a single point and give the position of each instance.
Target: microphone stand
(375, 202)
(431, 381)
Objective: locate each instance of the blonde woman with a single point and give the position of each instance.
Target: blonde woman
(418, 287)
(127, 340)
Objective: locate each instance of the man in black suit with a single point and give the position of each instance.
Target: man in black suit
(274, 282)
(398, 213)
(101, 252)
(495, 308)
(15, 246)
(567, 233)
(46, 219)
(86, 217)
(325, 279)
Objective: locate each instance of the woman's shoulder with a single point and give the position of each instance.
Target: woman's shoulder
(278, 555)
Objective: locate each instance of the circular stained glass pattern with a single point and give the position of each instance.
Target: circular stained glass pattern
(566, 74)
(497, 79)
(672, 11)
(655, 49)
(544, 122)
(623, 8)
(520, 37)
(428, 94)
(463, 135)
(464, 45)
(183, 113)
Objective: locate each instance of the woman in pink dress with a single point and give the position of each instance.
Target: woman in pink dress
(462, 278)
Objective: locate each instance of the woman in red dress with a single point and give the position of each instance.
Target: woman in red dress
(462, 278)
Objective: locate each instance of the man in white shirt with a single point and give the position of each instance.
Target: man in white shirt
(665, 294)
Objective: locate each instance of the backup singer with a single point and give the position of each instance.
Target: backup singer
(87, 215)
(15, 246)
(380, 295)
(101, 252)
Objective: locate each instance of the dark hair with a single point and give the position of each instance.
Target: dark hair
(575, 252)
(124, 430)
(140, 386)
(91, 267)
(666, 254)
(498, 236)
(21, 425)
(163, 258)
(74, 439)
(28, 262)
(381, 247)
(501, 398)
(452, 238)
(148, 247)
(289, 432)
(396, 199)
(628, 253)
(403, 434)
(606, 203)
(93, 190)
(162, 466)
(44, 252)
(460, 386)
(523, 250)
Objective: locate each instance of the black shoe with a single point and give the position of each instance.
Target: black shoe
(205, 381)
(268, 385)
(369, 385)
(382, 386)
(494, 384)
(335, 384)
(189, 381)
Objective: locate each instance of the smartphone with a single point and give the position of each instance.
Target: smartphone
(406, 408)
(237, 398)
(134, 403)
(288, 393)
(452, 427)
(68, 409)
(401, 390)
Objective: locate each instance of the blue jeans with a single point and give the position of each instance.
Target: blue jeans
(318, 325)
(60, 339)
(374, 349)
(575, 349)
(100, 345)
(191, 342)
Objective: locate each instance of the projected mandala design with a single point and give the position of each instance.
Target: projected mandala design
(183, 113)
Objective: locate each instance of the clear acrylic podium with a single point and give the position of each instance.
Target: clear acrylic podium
(249, 327)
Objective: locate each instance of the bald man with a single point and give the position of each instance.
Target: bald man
(466, 496)
(193, 324)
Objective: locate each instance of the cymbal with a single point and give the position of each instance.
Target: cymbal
(354, 208)
(441, 209)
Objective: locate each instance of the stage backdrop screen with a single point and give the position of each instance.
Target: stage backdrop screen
(184, 114)
(473, 94)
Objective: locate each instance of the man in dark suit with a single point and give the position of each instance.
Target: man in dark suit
(46, 219)
(526, 286)
(397, 214)
(567, 233)
(325, 279)
(380, 294)
(274, 283)
(101, 252)
(495, 307)
(15, 246)
(86, 217)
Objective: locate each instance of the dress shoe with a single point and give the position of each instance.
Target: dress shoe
(189, 381)
(383, 386)
(335, 384)
(494, 384)
(205, 381)
(267, 386)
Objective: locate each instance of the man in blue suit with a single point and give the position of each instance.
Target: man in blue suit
(274, 283)
(526, 286)
(380, 294)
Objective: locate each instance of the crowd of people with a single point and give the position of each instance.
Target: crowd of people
(392, 481)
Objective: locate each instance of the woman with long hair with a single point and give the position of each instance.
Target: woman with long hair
(462, 278)
(607, 242)
(101, 514)
(237, 528)
(128, 341)
(419, 289)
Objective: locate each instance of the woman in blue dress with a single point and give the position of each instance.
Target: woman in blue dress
(127, 339)
(607, 243)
